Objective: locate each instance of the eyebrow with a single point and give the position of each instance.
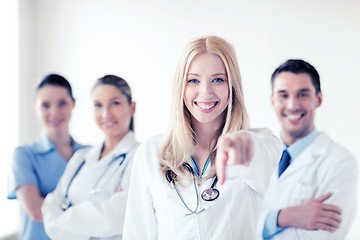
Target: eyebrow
(114, 98)
(300, 90)
(111, 99)
(213, 75)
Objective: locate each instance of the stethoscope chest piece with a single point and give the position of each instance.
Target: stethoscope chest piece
(210, 194)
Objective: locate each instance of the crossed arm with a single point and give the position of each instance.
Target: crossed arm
(311, 215)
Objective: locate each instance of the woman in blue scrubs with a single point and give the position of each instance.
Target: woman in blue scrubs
(37, 167)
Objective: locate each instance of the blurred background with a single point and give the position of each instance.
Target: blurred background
(141, 40)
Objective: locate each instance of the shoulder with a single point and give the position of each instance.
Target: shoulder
(77, 146)
(23, 149)
(331, 147)
(333, 154)
(83, 151)
(153, 142)
(24, 152)
(262, 136)
(79, 156)
(262, 132)
(149, 149)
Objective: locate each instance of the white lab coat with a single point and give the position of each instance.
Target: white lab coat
(322, 167)
(155, 211)
(91, 216)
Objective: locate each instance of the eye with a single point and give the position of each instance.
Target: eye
(303, 95)
(218, 80)
(62, 103)
(45, 105)
(193, 81)
(115, 103)
(283, 96)
(97, 105)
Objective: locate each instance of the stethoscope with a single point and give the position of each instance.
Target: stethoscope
(209, 194)
(95, 189)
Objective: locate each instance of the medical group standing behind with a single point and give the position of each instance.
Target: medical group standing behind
(36, 168)
(312, 194)
(90, 200)
(174, 191)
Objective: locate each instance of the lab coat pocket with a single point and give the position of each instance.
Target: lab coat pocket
(302, 193)
(220, 213)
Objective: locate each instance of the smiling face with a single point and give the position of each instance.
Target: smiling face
(112, 111)
(295, 101)
(53, 106)
(206, 93)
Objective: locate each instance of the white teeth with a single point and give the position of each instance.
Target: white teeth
(108, 124)
(294, 117)
(206, 106)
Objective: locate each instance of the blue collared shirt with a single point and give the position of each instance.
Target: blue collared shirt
(41, 165)
(271, 228)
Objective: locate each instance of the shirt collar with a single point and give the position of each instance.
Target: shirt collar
(43, 144)
(300, 145)
(76, 145)
(124, 146)
(207, 163)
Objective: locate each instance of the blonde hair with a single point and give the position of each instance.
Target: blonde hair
(180, 141)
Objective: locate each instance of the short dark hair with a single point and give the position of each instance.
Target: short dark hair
(121, 85)
(297, 66)
(56, 80)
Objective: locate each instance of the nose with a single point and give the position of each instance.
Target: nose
(292, 103)
(54, 110)
(205, 89)
(105, 112)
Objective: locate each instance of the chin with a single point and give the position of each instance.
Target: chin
(296, 133)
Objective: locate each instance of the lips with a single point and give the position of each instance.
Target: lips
(56, 122)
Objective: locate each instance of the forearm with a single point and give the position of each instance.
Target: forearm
(103, 219)
(31, 201)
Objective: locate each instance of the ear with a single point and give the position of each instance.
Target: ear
(272, 99)
(133, 108)
(319, 98)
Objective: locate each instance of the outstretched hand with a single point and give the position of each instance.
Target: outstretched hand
(311, 215)
(233, 148)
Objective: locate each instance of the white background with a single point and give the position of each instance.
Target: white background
(141, 40)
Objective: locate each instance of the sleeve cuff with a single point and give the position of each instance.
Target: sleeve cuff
(270, 227)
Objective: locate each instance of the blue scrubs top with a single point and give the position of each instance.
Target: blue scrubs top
(41, 165)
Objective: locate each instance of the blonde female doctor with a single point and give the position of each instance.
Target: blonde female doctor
(205, 179)
(89, 201)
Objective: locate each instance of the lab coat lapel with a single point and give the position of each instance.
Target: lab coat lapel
(309, 156)
(124, 146)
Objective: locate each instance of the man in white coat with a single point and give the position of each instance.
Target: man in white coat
(312, 193)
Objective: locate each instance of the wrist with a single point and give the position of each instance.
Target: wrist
(283, 219)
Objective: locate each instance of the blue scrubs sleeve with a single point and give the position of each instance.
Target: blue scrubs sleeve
(22, 171)
(271, 228)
